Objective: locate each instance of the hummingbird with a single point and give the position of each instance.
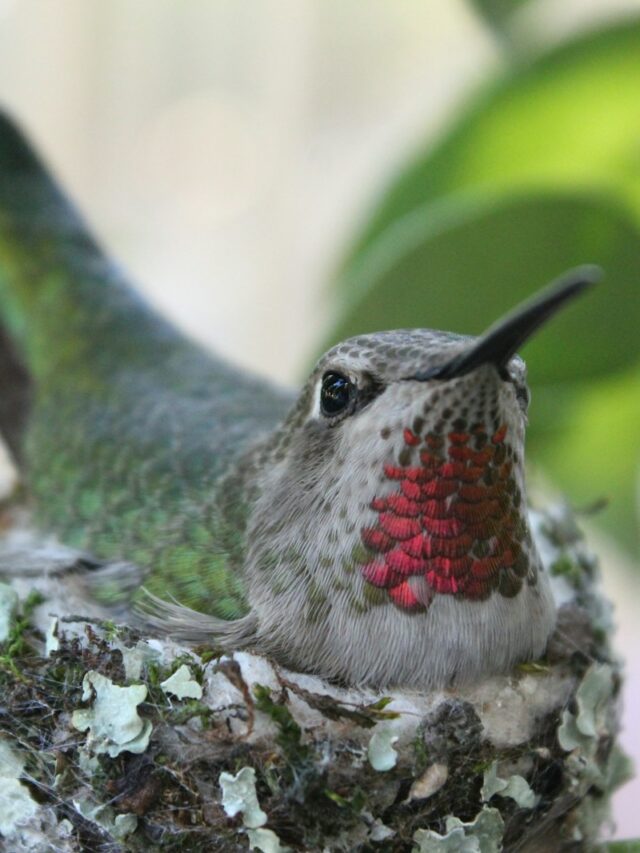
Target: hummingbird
(372, 529)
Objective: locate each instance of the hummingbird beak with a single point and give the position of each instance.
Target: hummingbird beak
(501, 340)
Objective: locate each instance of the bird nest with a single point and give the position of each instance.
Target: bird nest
(114, 740)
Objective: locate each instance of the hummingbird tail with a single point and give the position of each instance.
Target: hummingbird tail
(66, 312)
(44, 245)
(38, 227)
(19, 208)
(15, 396)
(177, 622)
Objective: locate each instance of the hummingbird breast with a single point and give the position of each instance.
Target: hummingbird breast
(452, 525)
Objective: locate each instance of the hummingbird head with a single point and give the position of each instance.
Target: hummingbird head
(399, 474)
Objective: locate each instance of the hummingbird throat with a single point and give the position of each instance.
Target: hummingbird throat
(453, 521)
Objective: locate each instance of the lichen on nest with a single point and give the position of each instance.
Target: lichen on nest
(112, 740)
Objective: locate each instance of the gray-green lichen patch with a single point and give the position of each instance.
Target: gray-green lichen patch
(113, 722)
(382, 756)
(8, 610)
(119, 826)
(239, 796)
(17, 806)
(51, 641)
(483, 834)
(590, 769)
(581, 730)
(182, 685)
(514, 786)
(135, 657)
(265, 840)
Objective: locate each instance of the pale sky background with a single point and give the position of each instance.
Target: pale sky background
(224, 151)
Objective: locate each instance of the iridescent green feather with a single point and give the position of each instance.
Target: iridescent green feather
(132, 427)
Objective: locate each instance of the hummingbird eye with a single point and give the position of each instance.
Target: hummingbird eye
(336, 395)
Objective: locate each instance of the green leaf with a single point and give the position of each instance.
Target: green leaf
(461, 266)
(567, 120)
(497, 13)
(597, 454)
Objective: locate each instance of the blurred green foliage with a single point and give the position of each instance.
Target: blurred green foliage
(498, 13)
(540, 172)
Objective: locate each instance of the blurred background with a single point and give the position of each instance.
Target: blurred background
(277, 174)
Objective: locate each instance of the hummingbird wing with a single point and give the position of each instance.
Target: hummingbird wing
(122, 427)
